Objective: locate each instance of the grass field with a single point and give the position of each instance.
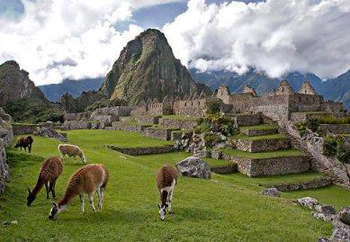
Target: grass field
(262, 155)
(226, 208)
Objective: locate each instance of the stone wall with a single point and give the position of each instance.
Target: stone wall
(19, 129)
(228, 169)
(177, 123)
(271, 166)
(163, 134)
(135, 128)
(334, 128)
(258, 132)
(303, 116)
(6, 138)
(317, 183)
(71, 125)
(262, 145)
(248, 119)
(147, 120)
(192, 108)
(143, 150)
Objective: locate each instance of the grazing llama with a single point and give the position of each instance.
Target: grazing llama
(50, 170)
(87, 180)
(166, 181)
(25, 142)
(71, 151)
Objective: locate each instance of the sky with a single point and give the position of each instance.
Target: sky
(75, 39)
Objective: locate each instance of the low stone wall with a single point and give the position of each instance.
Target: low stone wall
(71, 125)
(334, 129)
(257, 132)
(177, 134)
(177, 123)
(135, 128)
(143, 150)
(271, 166)
(147, 120)
(262, 145)
(229, 169)
(248, 119)
(163, 134)
(19, 129)
(302, 117)
(317, 183)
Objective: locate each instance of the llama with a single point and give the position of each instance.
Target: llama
(71, 151)
(25, 142)
(50, 170)
(87, 180)
(166, 181)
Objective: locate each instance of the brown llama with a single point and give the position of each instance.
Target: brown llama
(25, 142)
(71, 151)
(87, 180)
(50, 170)
(166, 182)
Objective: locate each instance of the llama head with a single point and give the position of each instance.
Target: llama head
(56, 209)
(17, 145)
(31, 197)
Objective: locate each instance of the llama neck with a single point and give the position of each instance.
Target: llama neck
(38, 186)
(67, 198)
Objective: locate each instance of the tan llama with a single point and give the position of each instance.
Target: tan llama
(50, 170)
(71, 151)
(87, 180)
(166, 181)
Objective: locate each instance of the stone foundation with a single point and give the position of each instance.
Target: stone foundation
(178, 123)
(262, 145)
(163, 134)
(302, 117)
(143, 150)
(248, 119)
(147, 120)
(271, 166)
(334, 129)
(229, 169)
(317, 183)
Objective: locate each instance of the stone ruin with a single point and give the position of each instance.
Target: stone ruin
(6, 137)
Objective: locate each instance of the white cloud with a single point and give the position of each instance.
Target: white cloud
(58, 39)
(275, 36)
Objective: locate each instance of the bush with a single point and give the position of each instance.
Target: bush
(211, 139)
(213, 106)
(335, 146)
(311, 124)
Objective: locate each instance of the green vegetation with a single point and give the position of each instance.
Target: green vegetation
(226, 208)
(255, 138)
(330, 119)
(213, 105)
(215, 122)
(262, 155)
(258, 127)
(311, 124)
(211, 139)
(32, 111)
(335, 146)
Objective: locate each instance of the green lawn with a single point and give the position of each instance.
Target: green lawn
(226, 208)
(258, 127)
(255, 138)
(261, 155)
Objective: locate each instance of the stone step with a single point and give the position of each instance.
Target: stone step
(260, 143)
(177, 134)
(268, 163)
(258, 130)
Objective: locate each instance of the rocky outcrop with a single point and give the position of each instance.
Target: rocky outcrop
(147, 69)
(50, 133)
(6, 137)
(272, 192)
(79, 104)
(15, 84)
(194, 167)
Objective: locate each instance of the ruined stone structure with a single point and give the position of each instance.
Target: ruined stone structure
(6, 137)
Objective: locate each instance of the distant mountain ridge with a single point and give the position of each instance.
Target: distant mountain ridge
(54, 92)
(336, 89)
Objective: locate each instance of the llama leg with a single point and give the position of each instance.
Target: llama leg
(30, 148)
(91, 200)
(53, 188)
(82, 206)
(170, 198)
(47, 190)
(100, 198)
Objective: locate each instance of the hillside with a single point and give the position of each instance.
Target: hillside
(53, 92)
(147, 68)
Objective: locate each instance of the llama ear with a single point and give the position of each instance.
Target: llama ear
(55, 204)
(29, 191)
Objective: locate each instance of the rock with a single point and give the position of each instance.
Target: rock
(344, 215)
(307, 202)
(215, 154)
(14, 222)
(323, 240)
(50, 133)
(341, 232)
(326, 209)
(273, 192)
(324, 216)
(177, 145)
(194, 167)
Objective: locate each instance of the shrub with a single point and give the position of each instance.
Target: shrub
(311, 124)
(211, 139)
(330, 119)
(335, 146)
(343, 154)
(213, 106)
(330, 146)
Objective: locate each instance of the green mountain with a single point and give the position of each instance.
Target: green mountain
(147, 68)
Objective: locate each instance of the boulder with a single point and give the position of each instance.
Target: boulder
(307, 202)
(50, 133)
(325, 209)
(273, 192)
(324, 216)
(194, 167)
(344, 215)
(341, 232)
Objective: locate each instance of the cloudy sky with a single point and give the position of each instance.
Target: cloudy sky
(59, 39)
